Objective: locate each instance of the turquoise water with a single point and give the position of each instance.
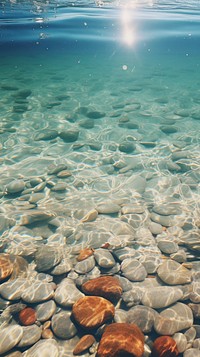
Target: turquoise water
(99, 107)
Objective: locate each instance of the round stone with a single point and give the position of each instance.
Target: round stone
(10, 337)
(6, 266)
(92, 311)
(192, 352)
(143, 317)
(173, 273)
(106, 286)
(164, 346)
(173, 319)
(133, 270)
(161, 296)
(104, 258)
(38, 292)
(84, 254)
(63, 326)
(121, 339)
(85, 266)
(44, 348)
(167, 247)
(45, 310)
(27, 316)
(127, 147)
(47, 257)
(31, 334)
(67, 293)
(84, 343)
(15, 186)
(181, 341)
(13, 289)
(69, 136)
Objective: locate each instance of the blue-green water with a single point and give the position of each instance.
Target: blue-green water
(111, 92)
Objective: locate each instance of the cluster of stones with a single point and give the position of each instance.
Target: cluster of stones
(113, 315)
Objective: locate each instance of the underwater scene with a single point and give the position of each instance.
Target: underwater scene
(100, 178)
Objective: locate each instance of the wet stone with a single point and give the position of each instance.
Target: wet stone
(181, 341)
(47, 257)
(45, 310)
(55, 169)
(90, 312)
(160, 297)
(195, 294)
(15, 186)
(106, 286)
(63, 326)
(24, 93)
(127, 147)
(27, 316)
(38, 292)
(31, 334)
(121, 339)
(69, 136)
(36, 216)
(87, 123)
(124, 253)
(132, 297)
(168, 129)
(95, 114)
(84, 254)
(63, 267)
(173, 273)
(108, 208)
(44, 348)
(104, 258)
(12, 290)
(84, 343)
(6, 266)
(46, 135)
(167, 247)
(84, 266)
(133, 270)
(174, 319)
(165, 346)
(143, 317)
(67, 293)
(151, 263)
(10, 337)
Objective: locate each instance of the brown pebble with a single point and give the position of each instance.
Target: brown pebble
(84, 254)
(6, 266)
(92, 311)
(164, 346)
(46, 325)
(27, 316)
(106, 286)
(84, 343)
(47, 333)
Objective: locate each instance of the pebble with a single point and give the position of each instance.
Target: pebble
(84, 343)
(69, 136)
(104, 258)
(47, 257)
(192, 352)
(174, 319)
(62, 325)
(46, 135)
(143, 317)
(95, 114)
(27, 316)
(181, 341)
(45, 310)
(38, 292)
(12, 290)
(127, 147)
(92, 311)
(195, 294)
(164, 346)
(173, 273)
(90, 216)
(85, 266)
(84, 254)
(6, 266)
(108, 208)
(15, 186)
(10, 337)
(36, 216)
(67, 293)
(31, 334)
(195, 309)
(63, 267)
(121, 338)
(133, 270)
(47, 334)
(44, 348)
(160, 297)
(167, 246)
(105, 286)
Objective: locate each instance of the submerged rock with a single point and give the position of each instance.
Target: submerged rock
(106, 286)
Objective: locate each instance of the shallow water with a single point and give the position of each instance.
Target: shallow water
(126, 81)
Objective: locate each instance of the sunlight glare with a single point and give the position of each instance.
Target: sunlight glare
(128, 33)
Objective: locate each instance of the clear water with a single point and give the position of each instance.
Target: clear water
(125, 76)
